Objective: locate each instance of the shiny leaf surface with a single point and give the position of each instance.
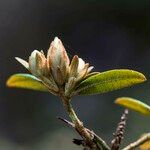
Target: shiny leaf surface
(109, 81)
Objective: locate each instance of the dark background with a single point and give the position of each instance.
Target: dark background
(107, 34)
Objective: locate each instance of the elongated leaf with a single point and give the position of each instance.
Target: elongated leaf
(26, 81)
(109, 81)
(134, 104)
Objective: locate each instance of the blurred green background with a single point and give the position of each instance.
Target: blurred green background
(107, 34)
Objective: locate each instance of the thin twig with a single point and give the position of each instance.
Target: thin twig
(66, 121)
(139, 142)
(118, 135)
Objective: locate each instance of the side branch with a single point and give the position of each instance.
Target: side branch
(118, 135)
(139, 142)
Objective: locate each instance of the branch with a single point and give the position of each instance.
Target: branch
(139, 142)
(100, 142)
(118, 135)
(96, 138)
(90, 139)
(67, 122)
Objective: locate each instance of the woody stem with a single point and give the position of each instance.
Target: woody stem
(75, 120)
(85, 133)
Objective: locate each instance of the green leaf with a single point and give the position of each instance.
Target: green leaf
(109, 81)
(134, 104)
(26, 81)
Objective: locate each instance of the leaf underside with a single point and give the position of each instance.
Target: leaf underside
(109, 81)
(134, 104)
(25, 81)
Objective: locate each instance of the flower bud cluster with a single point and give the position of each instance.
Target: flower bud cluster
(55, 71)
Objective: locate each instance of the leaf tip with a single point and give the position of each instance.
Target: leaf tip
(117, 101)
(134, 104)
(9, 82)
(143, 77)
(140, 76)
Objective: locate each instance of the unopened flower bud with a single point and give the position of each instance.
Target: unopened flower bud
(81, 65)
(55, 71)
(57, 57)
(33, 63)
(37, 63)
(74, 66)
(42, 64)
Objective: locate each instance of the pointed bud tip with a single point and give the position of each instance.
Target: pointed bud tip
(23, 62)
(56, 41)
(75, 57)
(18, 59)
(56, 38)
(35, 52)
(90, 69)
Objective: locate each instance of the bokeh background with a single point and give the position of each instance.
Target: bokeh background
(107, 34)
